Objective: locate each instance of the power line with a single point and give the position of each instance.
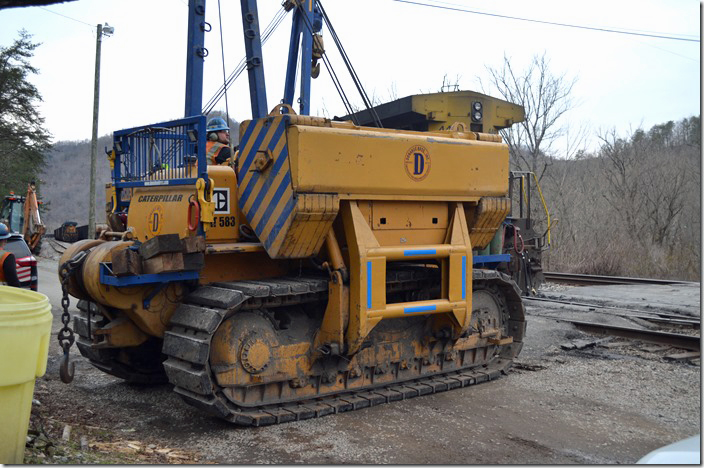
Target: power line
(496, 15)
(68, 17)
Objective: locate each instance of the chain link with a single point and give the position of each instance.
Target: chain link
(65, 335)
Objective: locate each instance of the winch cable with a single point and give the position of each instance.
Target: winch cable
(276, 21)
(350, 68)
(242, 65)
(340, 90)
(333, 75)
(224, 79)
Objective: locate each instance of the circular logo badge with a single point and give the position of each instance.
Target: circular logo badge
(417, 162)
(155, 220)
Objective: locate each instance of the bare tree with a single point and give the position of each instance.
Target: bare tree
(546, 98)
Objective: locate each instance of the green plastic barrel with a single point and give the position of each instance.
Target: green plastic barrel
(25, 328)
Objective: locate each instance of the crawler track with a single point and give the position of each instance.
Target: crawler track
(187, 345)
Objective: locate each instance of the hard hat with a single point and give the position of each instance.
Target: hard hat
(216, 124)
(4, 232)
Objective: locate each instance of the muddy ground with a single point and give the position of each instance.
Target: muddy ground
(612, 401)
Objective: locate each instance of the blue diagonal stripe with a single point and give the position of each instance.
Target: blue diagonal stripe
(247, 134)
(288, 208)
(258, 142)
(255, 176)
(272, 206)
(264, 189)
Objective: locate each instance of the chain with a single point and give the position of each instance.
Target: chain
(65, 335)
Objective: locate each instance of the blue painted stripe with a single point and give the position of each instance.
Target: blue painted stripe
(258, 142)
(247, 134)
(464, 277)
(264, 189)
(285, 214)
(480, 259)
(258, 138)
(253, 178)
(255, 175)
(369, 285)
(272, 205)
(413, 310)
(410, 253)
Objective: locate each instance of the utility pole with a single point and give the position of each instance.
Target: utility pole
(107, 31)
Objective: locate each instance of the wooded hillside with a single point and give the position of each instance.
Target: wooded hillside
(66, 179)
(631, 209)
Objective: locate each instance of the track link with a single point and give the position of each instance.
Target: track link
(187, 345)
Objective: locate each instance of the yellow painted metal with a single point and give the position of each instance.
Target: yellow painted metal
(332, 328)
(159, 210)
(121, 333)
(75, 287)
(205, 197)
(334, 253)
(458, 279)
(225, 210)
(245, 265)
(311, 220)
(485, 217)
(359, 240)
(444, 109)
(362, 161)
(234, 247)
(368, 262)
(152, 321)
(156, 210)
(289, 224)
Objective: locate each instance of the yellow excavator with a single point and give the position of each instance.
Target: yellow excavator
(21, 214)
(329, 267)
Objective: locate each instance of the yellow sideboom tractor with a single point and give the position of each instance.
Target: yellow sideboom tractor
(328, 268)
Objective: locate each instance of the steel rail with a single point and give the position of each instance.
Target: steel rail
(692, 343)
(574, 278)
(660, 317)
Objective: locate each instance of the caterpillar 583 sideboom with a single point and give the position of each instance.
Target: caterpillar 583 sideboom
(330, 268)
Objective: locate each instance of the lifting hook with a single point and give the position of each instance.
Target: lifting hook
(67, 369)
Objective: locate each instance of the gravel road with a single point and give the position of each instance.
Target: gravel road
(612, 402)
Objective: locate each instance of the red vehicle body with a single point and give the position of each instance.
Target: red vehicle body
(25, 261)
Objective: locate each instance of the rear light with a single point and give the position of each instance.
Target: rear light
(26, 261)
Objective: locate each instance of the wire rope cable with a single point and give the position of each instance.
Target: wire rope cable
(350, 68)
(242, 65)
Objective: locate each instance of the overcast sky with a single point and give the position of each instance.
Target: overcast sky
(625, 81)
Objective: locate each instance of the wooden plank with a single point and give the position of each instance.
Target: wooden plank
(166, 243)
(126, 262)
(193, 244)
(163, 263)
(193, 261)
(683, 356)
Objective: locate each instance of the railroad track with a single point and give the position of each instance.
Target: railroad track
(664, 318)
(579, 279)
(676, 340)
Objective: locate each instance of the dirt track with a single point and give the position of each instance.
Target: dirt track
(609, 403)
